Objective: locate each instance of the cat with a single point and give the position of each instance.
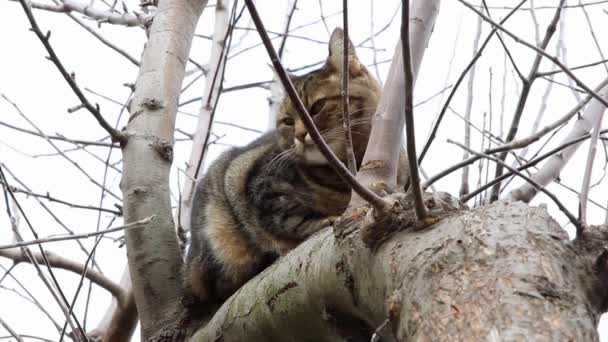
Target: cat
(260, 201)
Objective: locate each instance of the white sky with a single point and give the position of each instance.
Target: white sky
(34, 84)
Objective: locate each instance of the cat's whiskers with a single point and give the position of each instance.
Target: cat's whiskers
(280, 159)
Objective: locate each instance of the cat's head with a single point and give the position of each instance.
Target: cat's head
(320, 91)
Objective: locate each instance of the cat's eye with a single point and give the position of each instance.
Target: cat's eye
(287, 121)
(317, 107)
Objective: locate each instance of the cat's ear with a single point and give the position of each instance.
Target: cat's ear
(336, 53)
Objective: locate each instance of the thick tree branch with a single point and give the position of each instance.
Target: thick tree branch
(552, 168)
(413, 281)
(379, 166)
(154, 255)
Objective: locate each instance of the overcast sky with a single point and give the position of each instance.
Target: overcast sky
(33, 83)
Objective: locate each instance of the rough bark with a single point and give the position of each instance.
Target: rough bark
(503, 272)
(153, 254)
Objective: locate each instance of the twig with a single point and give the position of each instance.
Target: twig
(10, 330)
(554, 198)
(523, 97)
(103, 40)
(372, 39)
(583, 66)
(286, 31)
(58, 261)
(540, 51)
(464, 183)
(433, 133)
(409, 112)
(530, 164)
(136, 224)
(348, 138)
(117, 136)
(48, 210)
(589, 170)
(551, 170)
(60, 137)
(69, 204)
(101, 16)
(515, 144)
(41, 133)
(376, 201)
(55, 287)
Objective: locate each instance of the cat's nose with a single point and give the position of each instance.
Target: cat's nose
(300, 132)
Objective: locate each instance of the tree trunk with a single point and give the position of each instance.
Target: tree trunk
(503, 272)
(153, 253)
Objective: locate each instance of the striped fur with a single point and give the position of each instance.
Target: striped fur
(258, 202)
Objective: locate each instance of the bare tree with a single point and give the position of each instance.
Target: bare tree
(400, 263)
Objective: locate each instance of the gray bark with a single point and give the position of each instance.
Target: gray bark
(153, 253)
(503, 272)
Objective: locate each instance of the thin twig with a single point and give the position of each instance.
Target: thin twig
(523, 97)
(554, 198)
(409, 112)
(554, 60)
(117, 136)
(528, 165)
(464, 183)
(348, 138)
(433, 133)
(286, 32)
(136, 224)
(376, 201)
(588, 171)
(57, 261)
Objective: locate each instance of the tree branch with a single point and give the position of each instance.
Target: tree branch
(117, 136)
(58, 261)
(409, 111)
(101, 16)
(154, 255)
(379, 166)
(344, 291)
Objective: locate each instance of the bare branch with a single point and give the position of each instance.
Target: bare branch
(523, 97)
(57, 261)
(334, 162)
(530, 181)
(101, 16)
(137, 224)
(348, 139)
(540, 51)
(433, 133)
(69, 78)
(552, 168)
(409, 111)
(589, 170)
(385, 142)
(212, 92)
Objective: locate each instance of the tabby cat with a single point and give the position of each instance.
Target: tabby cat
(258, 202)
